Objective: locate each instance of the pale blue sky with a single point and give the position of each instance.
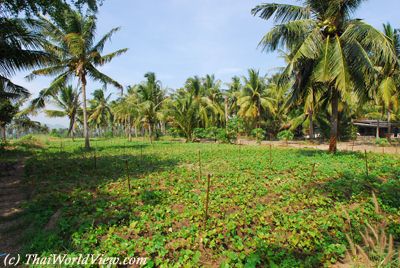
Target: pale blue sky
(181, 38)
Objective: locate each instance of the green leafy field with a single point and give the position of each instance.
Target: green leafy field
(284, 215)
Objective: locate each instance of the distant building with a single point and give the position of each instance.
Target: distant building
(377, 128)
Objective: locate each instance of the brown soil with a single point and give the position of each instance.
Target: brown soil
(12, 195)
(357, 146)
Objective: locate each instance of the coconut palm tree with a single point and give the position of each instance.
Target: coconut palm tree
(100, 110)
(20, 49)
(343, 51)
(151, 97)
(386, 94)
(213, 100)
(67, 100)
(71, 39)
(232, 94)
(126, 113)
(184, 112)
(253, 100)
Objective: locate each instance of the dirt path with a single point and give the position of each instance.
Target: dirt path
(358, 146)
(13, 194)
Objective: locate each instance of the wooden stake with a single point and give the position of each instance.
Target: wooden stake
(270, 156)
(199, 165)
(95, 159)
(207, 200)
(366, 162)
(127, 175)
(312, 170)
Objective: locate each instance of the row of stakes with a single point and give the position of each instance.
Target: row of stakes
(207, 199)
(270, 158)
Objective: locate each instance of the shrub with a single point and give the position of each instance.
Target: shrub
(285, 135)
(108, 134)
(222, 136)
(59, 133)
(235, 127)
(199, 133)
(381, 142)
(259, 134)
(174, 132)
(212, 133)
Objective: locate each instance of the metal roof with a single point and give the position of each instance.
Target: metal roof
(375, 123)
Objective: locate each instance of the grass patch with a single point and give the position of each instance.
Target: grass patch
(287, 216)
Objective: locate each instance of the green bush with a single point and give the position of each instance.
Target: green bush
(222, 136)
(108, 134)
(59, 133)
(259, 134)
(212, 133)
(235, 127)
(200, 133)
(174, 132)
(285, 135)
(381, 142)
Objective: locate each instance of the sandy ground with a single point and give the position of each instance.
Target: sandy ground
(357, 146)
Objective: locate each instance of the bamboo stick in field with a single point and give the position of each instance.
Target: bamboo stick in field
(199, 165)
(312, 170)
(127, 175)
(95, 159)
(207, 200)
(366, 162)
(270, 156)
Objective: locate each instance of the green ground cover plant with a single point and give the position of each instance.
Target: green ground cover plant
(140, 199)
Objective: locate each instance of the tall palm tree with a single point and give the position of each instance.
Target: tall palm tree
(126, 113)
(232, 94)
(151, 97)
(213, 100)
(184, 112)
(387, 90)
(277, 92)
(100, 109)
(67, 100)
(343, 51)
(253, 100)
(72, 42)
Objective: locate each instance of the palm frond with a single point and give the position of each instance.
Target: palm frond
(282, 12)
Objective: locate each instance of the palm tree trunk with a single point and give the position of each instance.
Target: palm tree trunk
(378, 130)
(389, 124)
(150, 133)
(311, 127)
(3, 133)
(129, 129)
(85, 117)
(71, 128)
(226, 112)
(334, 121)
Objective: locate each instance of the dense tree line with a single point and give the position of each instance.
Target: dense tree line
(338, 68)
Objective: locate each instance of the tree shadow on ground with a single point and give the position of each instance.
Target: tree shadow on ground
(349, 184)
(90, 190)
(313, 153)
(277, 256)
